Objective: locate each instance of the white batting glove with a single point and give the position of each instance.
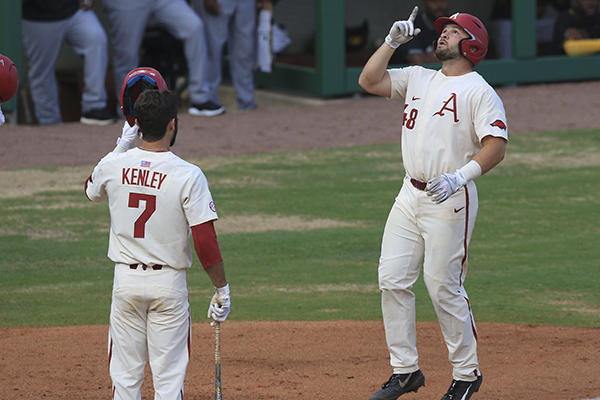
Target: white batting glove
(220, 304)
(444, 186)
(403, 31)
(1, 117)
(125, 142)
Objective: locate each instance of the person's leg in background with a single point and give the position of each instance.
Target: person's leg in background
(41, 44)
(242, 54)
(88, 39)
(186, 25)
(128, 21)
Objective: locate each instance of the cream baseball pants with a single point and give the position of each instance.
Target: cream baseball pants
(418, 233)
(149, 318)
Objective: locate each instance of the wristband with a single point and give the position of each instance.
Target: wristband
(222, 290)
(470, 171)
(119, 149)
(391, 42)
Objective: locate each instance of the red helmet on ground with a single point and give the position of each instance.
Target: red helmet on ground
(136, 81)
(9, 79)
(473, 49)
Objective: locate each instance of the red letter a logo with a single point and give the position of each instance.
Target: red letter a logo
(446, 108)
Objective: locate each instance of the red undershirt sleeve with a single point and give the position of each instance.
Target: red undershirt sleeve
(206, 245)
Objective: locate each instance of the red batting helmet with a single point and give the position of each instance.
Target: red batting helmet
(9, 79)
(473, 49)
(136, 82)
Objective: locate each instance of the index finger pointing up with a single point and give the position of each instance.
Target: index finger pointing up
(413, 14)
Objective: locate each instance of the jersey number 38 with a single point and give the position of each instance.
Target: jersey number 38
(410, 118)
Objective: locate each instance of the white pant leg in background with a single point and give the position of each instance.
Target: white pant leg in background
(89, 40)
(420, 231)
(178, 17)
(242, 52)
(216, 35)
(127, 20)
(41, 44)
(235, 25)
(150, 316)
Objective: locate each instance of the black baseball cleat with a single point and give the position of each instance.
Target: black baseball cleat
(398, 384)
(461, 390)
(208, 109)
(99, 117)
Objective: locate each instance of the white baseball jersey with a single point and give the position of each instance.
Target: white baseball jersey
(445, 118)
(154, 198)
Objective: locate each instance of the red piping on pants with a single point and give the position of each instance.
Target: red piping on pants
(464, 260)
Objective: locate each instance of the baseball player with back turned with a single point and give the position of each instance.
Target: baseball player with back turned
(155, 199)
(453, 131)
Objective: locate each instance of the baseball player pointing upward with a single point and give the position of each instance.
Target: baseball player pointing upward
(155, 200)
(453, 131)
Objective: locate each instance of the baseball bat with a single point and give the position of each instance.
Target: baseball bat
(218, 393)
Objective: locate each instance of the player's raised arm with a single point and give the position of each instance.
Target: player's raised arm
(124, 143)
(374, 77)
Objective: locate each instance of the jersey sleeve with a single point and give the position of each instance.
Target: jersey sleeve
(489, 116)
(95, 189)
(197, 202)
(400, 78)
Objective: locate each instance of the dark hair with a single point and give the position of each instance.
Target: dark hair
(154, 109)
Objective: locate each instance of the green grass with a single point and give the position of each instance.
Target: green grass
(533, 258)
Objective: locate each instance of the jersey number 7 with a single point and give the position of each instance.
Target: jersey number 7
(139, 228)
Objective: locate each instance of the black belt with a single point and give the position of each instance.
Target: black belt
(418, 184)
(144, 266)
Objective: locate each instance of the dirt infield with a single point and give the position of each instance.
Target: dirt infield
(309, 360)
(303, 360)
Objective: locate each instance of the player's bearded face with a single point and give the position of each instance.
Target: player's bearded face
(447, 52)
(448, 47)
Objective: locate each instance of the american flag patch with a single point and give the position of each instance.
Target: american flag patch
(145, 163)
